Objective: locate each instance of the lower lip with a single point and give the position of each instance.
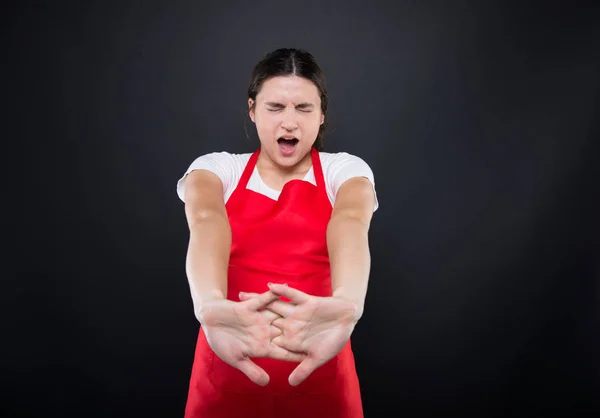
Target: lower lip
(286, 149)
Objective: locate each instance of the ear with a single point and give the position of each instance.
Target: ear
(250, 109)
(322, 119)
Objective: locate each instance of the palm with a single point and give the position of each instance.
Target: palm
(249, 339)
(319, 328)
(238, 331)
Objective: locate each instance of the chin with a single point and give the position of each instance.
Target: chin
(290, 161)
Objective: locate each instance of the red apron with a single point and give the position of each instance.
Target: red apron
(280, 241)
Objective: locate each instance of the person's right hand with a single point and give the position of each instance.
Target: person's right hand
(237, 331)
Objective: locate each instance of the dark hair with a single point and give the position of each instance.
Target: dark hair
(290, 61)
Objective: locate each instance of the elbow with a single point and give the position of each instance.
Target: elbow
(345, 227)
(349, 217)
(201, 217)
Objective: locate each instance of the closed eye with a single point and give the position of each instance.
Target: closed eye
(299, 109)
(302, 107)
(305, 107)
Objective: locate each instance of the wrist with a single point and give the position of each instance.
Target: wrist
(203, 302)
(356, 305)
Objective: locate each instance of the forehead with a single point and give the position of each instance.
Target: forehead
(289, 88)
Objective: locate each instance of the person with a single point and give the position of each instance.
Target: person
(278, 259)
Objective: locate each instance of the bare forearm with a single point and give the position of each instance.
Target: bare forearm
(208, 259)
(348, 245)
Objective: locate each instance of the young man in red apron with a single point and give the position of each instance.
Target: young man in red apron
(307, 351)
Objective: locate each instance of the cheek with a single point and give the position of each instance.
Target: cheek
(266, 122)
(313, 122)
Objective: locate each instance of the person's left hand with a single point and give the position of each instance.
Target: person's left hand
(317, 326)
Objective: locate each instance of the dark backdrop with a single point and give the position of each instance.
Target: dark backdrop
(478, 119)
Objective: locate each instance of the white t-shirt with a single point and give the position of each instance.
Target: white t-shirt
(337, 168)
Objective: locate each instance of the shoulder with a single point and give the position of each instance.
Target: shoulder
(224, 164)
(340, 157)
(343, 162)
(341, 166)
(227, 166)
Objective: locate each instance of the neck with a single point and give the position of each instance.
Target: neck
(275, 176)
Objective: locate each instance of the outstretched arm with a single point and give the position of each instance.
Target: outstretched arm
(210, 239)
(347, 241)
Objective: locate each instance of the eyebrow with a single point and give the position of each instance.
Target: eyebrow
(304, 105)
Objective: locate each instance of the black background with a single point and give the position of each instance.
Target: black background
(479, 120)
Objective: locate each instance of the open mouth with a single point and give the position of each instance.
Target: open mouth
(287, 146)
(287, 141)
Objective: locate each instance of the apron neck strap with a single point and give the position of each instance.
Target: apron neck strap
(317, 169)
(249, 169)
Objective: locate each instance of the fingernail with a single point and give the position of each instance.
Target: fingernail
(241, 294)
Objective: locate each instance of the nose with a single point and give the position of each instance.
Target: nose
(289, 121)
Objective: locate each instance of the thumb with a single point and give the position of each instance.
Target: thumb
(254, 372)
(303, 370)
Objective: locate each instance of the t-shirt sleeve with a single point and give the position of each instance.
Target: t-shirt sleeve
(343, 166)
(222, 164)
